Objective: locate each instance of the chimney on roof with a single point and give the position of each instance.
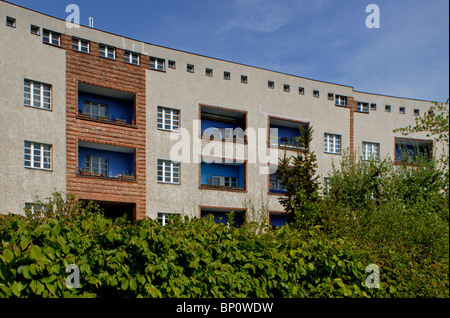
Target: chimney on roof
(91, 22)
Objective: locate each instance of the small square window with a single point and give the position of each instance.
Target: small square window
(244, 79)
(226, 75)
(416, 112)
(11, 22)
(402, 110)
(271, 84)
(157, 64)
(387, 108)
(190, 68)
(286, 88)
(373, 106)
(330, 96)
(301, 91)
(171, 64)
(209, 72)
(80, 45)
(132, 58)
(316, 93)
(107, 51)
(34, 30)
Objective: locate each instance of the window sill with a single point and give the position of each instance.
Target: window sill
(51, 44)
(156, 70)
(332, 153)
(40, 108)
(41, 169)
(222, 188)
(104, 121)
(97, 176)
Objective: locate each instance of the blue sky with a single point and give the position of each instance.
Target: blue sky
(327, 40)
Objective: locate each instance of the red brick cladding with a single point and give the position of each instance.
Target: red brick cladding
(115, 74)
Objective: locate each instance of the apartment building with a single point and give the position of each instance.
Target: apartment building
(105, 117)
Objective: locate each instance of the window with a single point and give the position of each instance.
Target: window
(286, 88)
(271, 84)
(401, 110)
(330, 96)
(37, 94)
(80, 45)
(168, 119)
(316, 93)
(171, 64)
(227, 75)
(51, 37)
(11, 22)
(363, 107)
(164, 218)
(190, 68)
(209, 72)
(37, 156)
(244, 79)
(301, 90)
(224, 181)
(96, 110)
(416, 112)
(96, 165)
(35, 210)
(157, 64)
(168, 172)
(387, 108)
(370, 151)
(107, 51)
(373, 106)
(332, 143)
(34, 30)
(132, 58)
(341, 100)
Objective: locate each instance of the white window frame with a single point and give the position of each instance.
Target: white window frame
(340, 100)
(80, 45)
(37, 155)
(96, 164)
(168, 172)
(168, 119)
(95, 109)
(225, 181)
(164, 218)
(363, 107)
(51, 37)
(157, 64)
(37, 95)
(132, 58)
(332, 143)
(370, 151)
(36, 210)
(107, 51)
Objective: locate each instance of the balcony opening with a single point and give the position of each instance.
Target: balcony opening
(288, 133)
(277, 220)
(220, 215)
(275, 184)
(222, 124)
(105, 104)
(95, 159)
(114, 210)
(410, 150)
(222, 175)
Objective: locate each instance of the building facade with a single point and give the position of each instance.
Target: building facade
(151, 131)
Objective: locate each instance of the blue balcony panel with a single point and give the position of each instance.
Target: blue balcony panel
(229, 170)
(277, 219)
(120, 160)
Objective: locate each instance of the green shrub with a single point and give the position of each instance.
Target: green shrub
(187, 258)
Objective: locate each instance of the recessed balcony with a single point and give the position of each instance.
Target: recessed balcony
(105, 105)
(222, 124)
(106, 161)
(288, 133)
(223, 175)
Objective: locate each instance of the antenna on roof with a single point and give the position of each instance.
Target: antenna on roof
(91, 22)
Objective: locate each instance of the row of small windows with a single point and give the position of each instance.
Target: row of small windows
(80, 45)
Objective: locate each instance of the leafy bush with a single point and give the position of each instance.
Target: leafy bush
(187, 258)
